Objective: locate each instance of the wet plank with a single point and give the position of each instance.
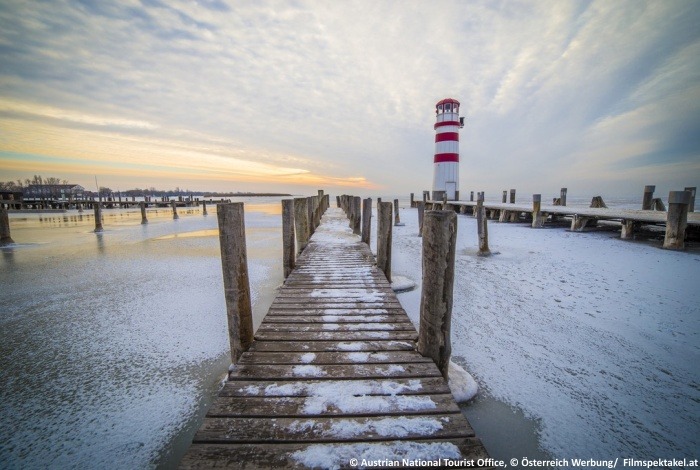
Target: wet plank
(337, 358)
(341, 371)
(331, 346)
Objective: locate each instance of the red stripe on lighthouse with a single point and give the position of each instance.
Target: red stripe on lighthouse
(446, 157)
(446, 123)
(442, 137)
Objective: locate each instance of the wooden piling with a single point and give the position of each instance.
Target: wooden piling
(413, 202)
(310, 215)
(5, 238)
(397, 218)
(471, 196)
(98, 217)
(505, 197)
(562, 197)
(676, 220)
(421, 210)
(648, 197)
(598, 203)
(175, 216)
(384, 238)
(482, 227)
(204, 208)
(512, 196)
(301, 223)
(337, 201)
(691, 205)
(439, 242)
(366, 220)
(234, 263)
(357, 213)
(628, 229)
(144, 219)
(537, 219)
(288, 236)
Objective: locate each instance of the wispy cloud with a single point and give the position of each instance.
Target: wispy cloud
(343, 92)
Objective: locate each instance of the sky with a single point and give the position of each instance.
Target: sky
(602, 97)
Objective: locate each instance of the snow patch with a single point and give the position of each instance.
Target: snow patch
(308, 371)
(462, 384)
(308, 358)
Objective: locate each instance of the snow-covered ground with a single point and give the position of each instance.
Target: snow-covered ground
(595, 338)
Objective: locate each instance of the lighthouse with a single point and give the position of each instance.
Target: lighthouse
(446, 171)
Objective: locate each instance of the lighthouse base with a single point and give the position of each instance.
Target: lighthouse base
(438, 195)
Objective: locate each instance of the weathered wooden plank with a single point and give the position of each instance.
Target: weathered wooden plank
(291, 305)
(343, 371)
(338, 313)
(298, 327)
(336, 335)
(322, 429)
(337, 405)
(346, 318)
(238, 387)
(367, 357)
(330, 346)
(293, 456)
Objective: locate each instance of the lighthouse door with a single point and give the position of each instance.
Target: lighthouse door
(451, 190)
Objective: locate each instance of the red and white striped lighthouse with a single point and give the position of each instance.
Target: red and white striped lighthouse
(446, 175)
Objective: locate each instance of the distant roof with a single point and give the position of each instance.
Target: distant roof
(447, 100)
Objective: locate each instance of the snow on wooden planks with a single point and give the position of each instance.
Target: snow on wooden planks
(332, 375)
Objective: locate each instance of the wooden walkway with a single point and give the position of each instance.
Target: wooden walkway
(333, 375)
(643, 216)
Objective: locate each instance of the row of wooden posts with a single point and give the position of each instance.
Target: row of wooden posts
(439, 232)
(300, 218)
(680, 203)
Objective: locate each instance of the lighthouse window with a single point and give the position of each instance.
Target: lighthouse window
(448, 108)
(439, 108)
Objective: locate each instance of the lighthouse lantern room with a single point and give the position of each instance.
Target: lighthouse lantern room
(446, 174)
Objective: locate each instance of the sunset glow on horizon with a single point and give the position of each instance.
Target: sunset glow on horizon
(597, 96)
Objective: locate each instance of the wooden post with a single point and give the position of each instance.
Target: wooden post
(598, 203)
(444, 199)
(471, 196)
(234, 263)
(425, 197)
(648, 197)
(204, 208)
(379, 201)
(512, 196)
(5, 238)
(439, 242)
(537, 219)
(384, 238)
(357, 213)
(301, 223)
(366, 220)
(175, 216)
(691, 205)
(287, 236)
(80, 208)
(98, 217)
(144, 219)
(413, 203)
(421, 210)
(628, 228)
(397, 218)
(310, 215)
(505, 197)
(562, 198)
(676, 219)
(337, 201)
(482, 227)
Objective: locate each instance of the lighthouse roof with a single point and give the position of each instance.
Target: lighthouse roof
(447, 100)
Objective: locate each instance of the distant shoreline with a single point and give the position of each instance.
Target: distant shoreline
(214, 195)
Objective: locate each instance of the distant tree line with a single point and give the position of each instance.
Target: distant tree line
(22, 185)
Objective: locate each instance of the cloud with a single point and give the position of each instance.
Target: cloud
(348, 89)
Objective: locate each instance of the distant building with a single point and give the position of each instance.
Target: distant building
(53, 191)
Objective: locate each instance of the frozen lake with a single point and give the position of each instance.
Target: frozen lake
(112, 344)
(583, 345)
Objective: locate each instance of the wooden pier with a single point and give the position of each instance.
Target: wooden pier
(333, 375)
